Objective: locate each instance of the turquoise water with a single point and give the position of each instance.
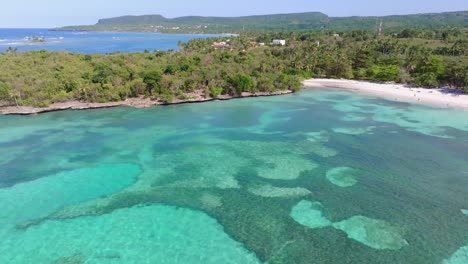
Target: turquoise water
(321, 176)
(92, 42)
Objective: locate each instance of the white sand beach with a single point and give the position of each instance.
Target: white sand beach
(445, 97)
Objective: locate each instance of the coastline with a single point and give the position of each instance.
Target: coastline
(131, 102)
(442, 97)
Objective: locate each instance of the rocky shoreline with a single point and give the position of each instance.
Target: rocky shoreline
(140, 102)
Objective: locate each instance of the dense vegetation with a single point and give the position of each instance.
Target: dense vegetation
(419, 57)
(302, 21)
(40, 77)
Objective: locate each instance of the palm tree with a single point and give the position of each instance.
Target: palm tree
(11, 50)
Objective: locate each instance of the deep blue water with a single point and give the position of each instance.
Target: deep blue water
(92, 42)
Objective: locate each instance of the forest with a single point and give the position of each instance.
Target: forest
(308, 21)
(427, 58)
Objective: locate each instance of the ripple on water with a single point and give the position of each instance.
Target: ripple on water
(421, 119)
(215, 168)
(275, 160)
(342, 176)
(353, 118)
(320, 136)
(284, 167)
(354, 130)
(322, 151)
(209, 200)
(272, 191)
(198, 166)
(133, 235)
(377, 234)
(39, 198)
(309, 214)
(460, 257)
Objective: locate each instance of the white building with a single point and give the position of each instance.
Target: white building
(281, 42)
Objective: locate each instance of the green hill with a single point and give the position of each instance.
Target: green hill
(297, 21)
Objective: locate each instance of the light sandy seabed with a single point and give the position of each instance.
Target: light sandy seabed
(445, 97)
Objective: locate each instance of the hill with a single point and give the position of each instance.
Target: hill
(277, 22)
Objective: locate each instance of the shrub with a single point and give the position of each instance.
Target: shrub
(289, 82)
(215, 91)
(5, 91)
(428, 79)
(152, 80)
(242, 83)
(386, 72)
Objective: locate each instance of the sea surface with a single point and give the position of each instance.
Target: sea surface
(320, 176)
(91, 42)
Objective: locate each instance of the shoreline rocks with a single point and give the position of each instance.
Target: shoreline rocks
(131, 102)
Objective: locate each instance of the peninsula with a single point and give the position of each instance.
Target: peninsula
(248, 64)
(290, 138)
(315, 21)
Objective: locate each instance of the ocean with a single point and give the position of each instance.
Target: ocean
(91, 42)
(320, 176)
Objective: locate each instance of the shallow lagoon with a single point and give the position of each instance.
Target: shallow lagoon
(321, 176)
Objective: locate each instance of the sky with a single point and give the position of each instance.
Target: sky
(55, 13)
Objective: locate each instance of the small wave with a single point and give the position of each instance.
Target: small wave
(25, 43)
(11, 44)
(56, 38)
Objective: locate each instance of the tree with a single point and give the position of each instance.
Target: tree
(456, 74)
(407, 33)
(429, 71)
(289, 82)
(171, 69)
(265, 83)
(42, 77)
(11, 50)
(101, 73)
(215, 91)
(5, 92)
(241, 83)
(152, 79)
(386, 72)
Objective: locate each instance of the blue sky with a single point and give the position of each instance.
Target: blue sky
(51, 13)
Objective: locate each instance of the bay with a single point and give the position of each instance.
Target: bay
(92, 42)
(240, 181)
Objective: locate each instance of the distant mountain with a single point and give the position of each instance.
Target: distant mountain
(132, 20)
(297, 21)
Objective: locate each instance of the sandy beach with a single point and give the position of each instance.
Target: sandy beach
(445, 97)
